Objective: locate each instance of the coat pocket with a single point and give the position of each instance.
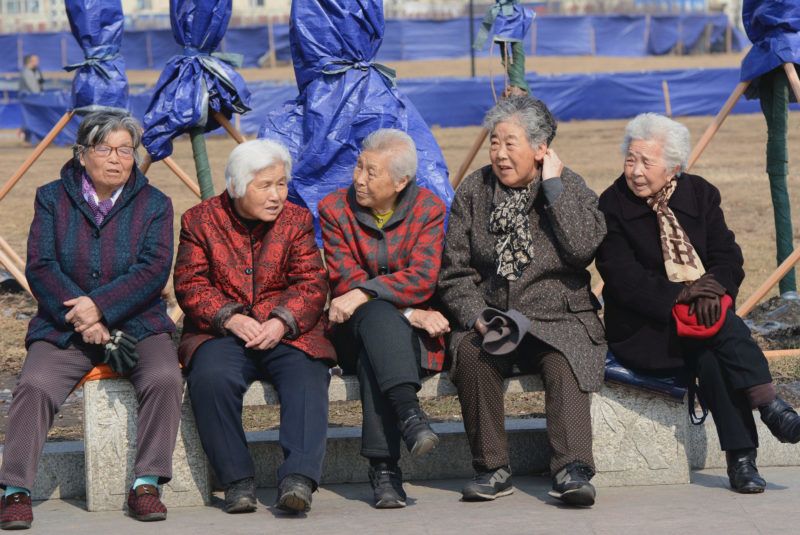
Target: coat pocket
(584, 307)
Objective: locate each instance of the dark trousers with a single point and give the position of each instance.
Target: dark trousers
(380, 346)
(49, 375)
(221, 371)
(725, 365)
(479, 379)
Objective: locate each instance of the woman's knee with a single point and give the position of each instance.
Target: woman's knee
(374, 313)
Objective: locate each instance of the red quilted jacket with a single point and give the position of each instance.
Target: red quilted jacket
(273, 270)
(399, 263)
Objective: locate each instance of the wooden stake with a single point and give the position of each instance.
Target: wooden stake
(180, 173)
(598, 289)
(775, 354)
(12, 268)
(40, 148)
(794, 81)
(473, 151)
(667, 102)
(175, 314)
(716, 123)
(229, 128)
(767, 285)
(273, 58)
(6, 248)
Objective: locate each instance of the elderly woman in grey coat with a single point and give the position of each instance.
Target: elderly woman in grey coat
(514, 283)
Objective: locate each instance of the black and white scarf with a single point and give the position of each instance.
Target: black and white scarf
(514, 244)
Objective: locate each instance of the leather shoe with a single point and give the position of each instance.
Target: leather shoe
(16, 511)
(782, 420)
(294, 494)
(743, 473)
(240, 496)
(417, 432)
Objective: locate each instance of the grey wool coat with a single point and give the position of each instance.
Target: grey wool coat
(554, 289)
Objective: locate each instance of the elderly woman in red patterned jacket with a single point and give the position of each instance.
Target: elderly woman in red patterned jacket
(383, 244)
(250, 278)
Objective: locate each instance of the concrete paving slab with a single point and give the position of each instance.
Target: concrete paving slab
(705, 506)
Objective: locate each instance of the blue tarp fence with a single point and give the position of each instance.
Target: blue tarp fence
(571, 97)
(609, 35)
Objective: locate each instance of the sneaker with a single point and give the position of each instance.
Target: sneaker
(15, 511)
(743, 473)
(294, 494)
(387, 486)
(145, 505)
(417, 432)
(240, 496)
(571, 485)
(488, 485)
(782, 420)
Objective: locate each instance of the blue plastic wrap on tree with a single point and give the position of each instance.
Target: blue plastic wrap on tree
(507, 21)
(196, 80)
(343, 97)
(100, 81)
(774, 28)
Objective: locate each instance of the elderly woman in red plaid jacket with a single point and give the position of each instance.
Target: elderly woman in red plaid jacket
(383, 244)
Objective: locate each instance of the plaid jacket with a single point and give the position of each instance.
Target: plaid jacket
(275, 270)
(398, 263)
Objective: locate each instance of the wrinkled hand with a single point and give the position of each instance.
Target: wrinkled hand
(83, 313)
(551, 165)
(243, 326)
(432, 321)
(707, 310)
(96, 334)
(270, 333)
(705, 286)
(343, 306)
(481, 327)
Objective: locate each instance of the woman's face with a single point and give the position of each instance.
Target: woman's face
(265, 195)
(645, 171)
(514, 161)
(107, 167)
(375, 188)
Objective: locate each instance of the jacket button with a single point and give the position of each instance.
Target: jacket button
(96, 233)
(95, 274)
(249, 271)
(383, 270)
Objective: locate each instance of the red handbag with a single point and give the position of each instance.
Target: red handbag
(688, 326)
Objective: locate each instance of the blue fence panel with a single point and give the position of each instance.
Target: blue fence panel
(136, 50)
(563, 36)
(664, 34)
(9, 59)
(620, 35)
(48, 47)
(252, 43)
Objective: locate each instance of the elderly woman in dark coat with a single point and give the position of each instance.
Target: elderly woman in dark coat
(521, 233)
(383, 244)
(672, 270)
(99, 254)
(250, 278)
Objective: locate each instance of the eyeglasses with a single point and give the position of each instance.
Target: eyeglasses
(104, 151)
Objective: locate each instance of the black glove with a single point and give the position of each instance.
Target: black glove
(707, 309)
(705, 286)
(120, 352)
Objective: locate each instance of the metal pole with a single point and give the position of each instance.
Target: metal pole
(471, 37)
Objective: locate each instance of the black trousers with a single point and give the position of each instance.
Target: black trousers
(379, 345)
(725, 366)
(221, 371)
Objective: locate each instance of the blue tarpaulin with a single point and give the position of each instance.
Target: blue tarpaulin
(344, 96)
(774, 28)
(195, 80)
(100, 80)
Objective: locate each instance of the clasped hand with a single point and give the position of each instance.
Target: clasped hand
(255, 334)
(703, 297)
(85, 316)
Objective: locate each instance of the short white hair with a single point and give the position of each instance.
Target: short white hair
(251, 157)
(403, 151)
(673, 136)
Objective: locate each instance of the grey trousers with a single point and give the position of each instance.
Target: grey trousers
(48, 376)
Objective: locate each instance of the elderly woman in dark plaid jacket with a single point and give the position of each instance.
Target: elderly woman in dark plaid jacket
(522, 232)
(99, 254)
(383, 245)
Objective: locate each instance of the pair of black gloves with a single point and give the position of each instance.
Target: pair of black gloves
(120, 352)
(703, 297)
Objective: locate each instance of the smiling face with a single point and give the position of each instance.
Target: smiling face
(514, 161)
(375, 188)
(110, 172)
(645, 171)
(265, 195)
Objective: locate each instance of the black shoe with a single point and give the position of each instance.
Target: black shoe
(294, 494)
(488, 485)
(240, 496)
(571, 485)
(387, 485)
(743, 473)
(782, 420)
(417, 432)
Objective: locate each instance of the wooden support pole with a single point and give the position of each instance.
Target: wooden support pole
(12, 268)
(175, 314)
(473, 151)
(40, 148)
(180, 173)
(147, 161)
(597, 290)
(775, 354)
(716, 123)
(794, 81)
(768, 284)
(667, 101)
(6, 248)
(273, 58)
(229, 128)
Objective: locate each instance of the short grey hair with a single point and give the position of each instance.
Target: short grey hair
(673, 136)
(97, 126)
(529, 113)
(402, 149)
(251, 157)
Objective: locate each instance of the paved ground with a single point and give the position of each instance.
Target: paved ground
(706, 506)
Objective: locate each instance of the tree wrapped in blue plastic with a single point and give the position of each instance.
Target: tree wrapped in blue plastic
(196, 80)
(100, 81)
(508, 22)
(344, 96)
(774, 28)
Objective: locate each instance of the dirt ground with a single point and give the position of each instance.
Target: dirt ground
(734, 162)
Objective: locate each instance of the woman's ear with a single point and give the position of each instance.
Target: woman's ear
(539, 152)
(400, 186)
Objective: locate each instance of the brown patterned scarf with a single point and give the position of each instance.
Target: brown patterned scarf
(680, 258)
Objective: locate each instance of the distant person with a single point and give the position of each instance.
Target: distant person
(672, 269)
(31, 79)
